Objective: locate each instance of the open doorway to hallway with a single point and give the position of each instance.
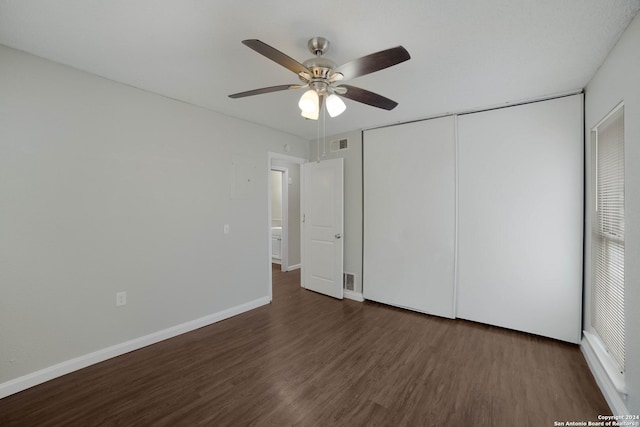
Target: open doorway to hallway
(285, 222)
(279, 216)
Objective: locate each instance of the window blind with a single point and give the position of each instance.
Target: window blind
(608, 237)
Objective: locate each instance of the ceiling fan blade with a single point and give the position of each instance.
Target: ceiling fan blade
(373, 62)
(276, 56)
(367, 97)
(264, 90)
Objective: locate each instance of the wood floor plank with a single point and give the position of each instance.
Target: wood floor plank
(306, 359)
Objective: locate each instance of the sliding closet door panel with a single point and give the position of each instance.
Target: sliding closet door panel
(521, 217)
(409, 215)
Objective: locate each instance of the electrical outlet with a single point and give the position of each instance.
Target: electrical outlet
(121, 298)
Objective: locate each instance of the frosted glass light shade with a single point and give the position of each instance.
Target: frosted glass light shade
(309, 102)
(335, 105)
(312, 116)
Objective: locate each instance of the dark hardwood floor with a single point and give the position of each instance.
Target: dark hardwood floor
(307, 359)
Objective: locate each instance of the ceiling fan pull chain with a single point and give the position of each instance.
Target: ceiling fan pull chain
(318, 140)
(324, 133)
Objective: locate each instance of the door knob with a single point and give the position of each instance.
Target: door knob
(338, 235)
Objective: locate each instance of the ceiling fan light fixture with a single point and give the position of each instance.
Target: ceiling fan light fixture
(335, 105)
(309, 102)
(310, 116)
(319, 74)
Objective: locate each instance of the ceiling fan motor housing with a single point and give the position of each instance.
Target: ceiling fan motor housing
(320, 67)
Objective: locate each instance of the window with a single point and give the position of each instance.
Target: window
(607, 316)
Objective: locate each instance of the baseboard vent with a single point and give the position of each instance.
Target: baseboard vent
(349, 280)
(339, 144)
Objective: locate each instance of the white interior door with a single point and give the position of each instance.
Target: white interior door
(322, 209)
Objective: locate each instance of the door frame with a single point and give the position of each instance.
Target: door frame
(270, 157)
(284, 206)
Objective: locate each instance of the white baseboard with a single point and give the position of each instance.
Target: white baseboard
(294, 267)
(608, 389)
(26, 381)
(356, 296)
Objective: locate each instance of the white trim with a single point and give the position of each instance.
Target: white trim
(456, 233)
(608, 389)
(38, 377)
(609, 114)
(356, 296)
(303, 224)
(292, 159)
(607, 361)
(294, 267)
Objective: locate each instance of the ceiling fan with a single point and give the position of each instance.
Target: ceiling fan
(323, 77)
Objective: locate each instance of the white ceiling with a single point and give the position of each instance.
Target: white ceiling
(465, 54)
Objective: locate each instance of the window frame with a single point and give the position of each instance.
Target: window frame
(614, 369)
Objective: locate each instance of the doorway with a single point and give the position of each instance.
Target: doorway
(284, 214)
(279, 216)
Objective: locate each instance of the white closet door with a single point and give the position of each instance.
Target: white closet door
(521, 217)
(409, 215)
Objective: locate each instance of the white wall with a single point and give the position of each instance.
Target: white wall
(106, 188)
(352, 197)
(617, 80)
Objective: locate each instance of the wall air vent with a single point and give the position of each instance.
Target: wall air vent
(349, 280)
(339, 144)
